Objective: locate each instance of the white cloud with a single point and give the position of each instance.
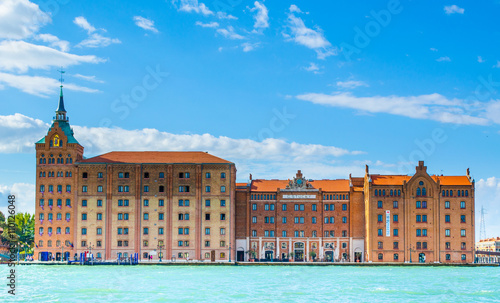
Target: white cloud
(53, 41)
(480, 59)
(25, 197)
(453, 9)
(223, 15)
(294, 9)
(261, 17)
(146, 24)
(433, 49)
(18, 133)
(191, 6)
(247, 47)
(443, 59)
(83, 23)
(431, 107)
(230, 33)
(21, 56)
(350, 84)
(95, 39)
(210, 25)
(39, 86)
(310, 38)
(497, 65)
(88, 78)
(313, 67)
(20, 19)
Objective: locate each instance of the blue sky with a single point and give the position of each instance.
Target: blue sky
(322, 86)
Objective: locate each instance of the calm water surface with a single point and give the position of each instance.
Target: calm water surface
(252, 284)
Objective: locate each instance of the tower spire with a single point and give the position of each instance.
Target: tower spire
(61, 112)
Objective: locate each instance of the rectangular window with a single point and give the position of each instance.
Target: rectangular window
(395, 232)
(146, 188)
(283, 220)
(254, 206)
(301, 220)
(344, 207)
(207, 217)
(222, 203)
(254, 219)
(447, 204)
(380, 245)
(266, 206)
(145, 231)
(207, 203)
(379, 204)
(283, 207)
(146, 216)
(332, 207)
(462, 232)
(462, 205)
(207, 175)
(283, 234)
(222, 231)
(207, 231)
(424, 204)
(84, 231)
(266, 233)
(313, 220)
(84, 203)
(395, 245)
(99, 189)
(380, 232)
(254, 233)
(418, 204)
(160, 231)
(161, 202)
(447, 245)
(99, 203)
(222, 175)
(146, 202)
(447, 219)
(84, 188)
(207, 189)
(99, 231)
(424, 218)
(344, 219)
(314, 207)
(380, 218)
(99, 217)
(447, 232)
(462, 218)
(419, 232)
(302, 208)
(395, 218)
(222, 189)
(223, 217)
(419, 218)
(395, 204)
(296, 207)
(272, 206)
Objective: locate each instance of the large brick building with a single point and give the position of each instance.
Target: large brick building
(188, 205)
(175, 204)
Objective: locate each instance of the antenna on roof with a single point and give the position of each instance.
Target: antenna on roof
(61, 79)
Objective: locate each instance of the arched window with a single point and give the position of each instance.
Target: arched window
(458, 193)
(399, 192)
(444, 193)
(424, 192)
(376, 193)
(391, 193)
(50, 216)
(466, 193)
(418, 191)
(451, 193)
(383, 193)
(447, 193)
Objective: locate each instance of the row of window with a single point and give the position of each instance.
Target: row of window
(58, 243)
(51, 174)
(460, 193)
(58, 231)
(299, 207)
(419, 204)
(51, 188)
(336, 197)
(299, 233)
(41, 216)
(125, 202)
(420, 232)
(53, 161)
(51, 202)
(161, 175)
(392, 193)
(263, 196)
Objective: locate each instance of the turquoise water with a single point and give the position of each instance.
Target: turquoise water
(252, 284)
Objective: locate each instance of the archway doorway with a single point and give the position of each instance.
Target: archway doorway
(421, 258)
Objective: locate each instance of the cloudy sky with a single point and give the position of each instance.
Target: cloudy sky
(322, 86)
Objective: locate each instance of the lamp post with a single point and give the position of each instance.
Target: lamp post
(62, 252)
(229, 252)
(160, 246)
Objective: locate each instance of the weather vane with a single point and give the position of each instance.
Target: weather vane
(62, 72)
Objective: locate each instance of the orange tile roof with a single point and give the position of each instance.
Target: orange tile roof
(325, 185)
(155, 157)
(452, 180)
(241, 184)
(389, 179)
(398, 180)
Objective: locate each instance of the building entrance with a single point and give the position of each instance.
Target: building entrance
(421, 258)
(269, 255)
(299, 251)
(240, 256)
